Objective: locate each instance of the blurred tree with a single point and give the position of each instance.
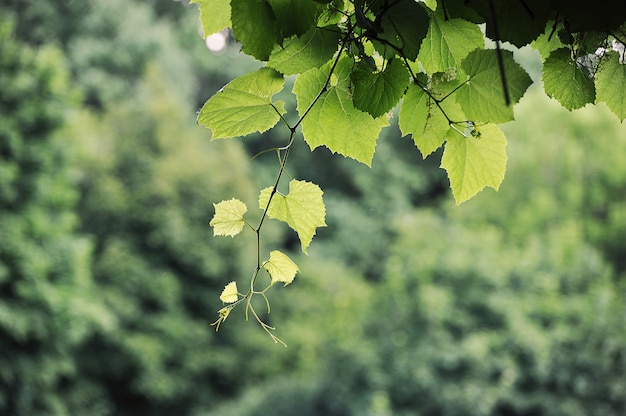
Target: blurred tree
(48, 302)
(147, 180)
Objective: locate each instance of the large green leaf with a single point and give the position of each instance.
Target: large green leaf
(448, 42)
(214, 15)
(255, 26)
(228, 219)
(244, 105)
(295, 17)
(302, 208)
(566, 81)
(482, 97)
(312, 50)
(333, 121)
(280, 268)
(611, 85)
(475, 161)
(377, 92)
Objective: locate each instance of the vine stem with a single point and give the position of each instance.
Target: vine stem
(282, 160)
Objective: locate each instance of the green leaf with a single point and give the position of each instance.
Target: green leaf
(228, 218)
(547, 42)
(295, 17)
(244, 105)
(302, 208)
(482, 97)
(567, 82)
(255, 26)
(333, 121)
(475, 161)
(448, 42)
(214, 15)
(230, 293)
(312, 50)
(378, 92)
(404, 25)
(611, 84)
(281, 268)
(421, 118)
(518, 22)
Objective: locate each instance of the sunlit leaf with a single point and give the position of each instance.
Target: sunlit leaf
(302, 208)
(611, 85)
(230, 293)
(280, 267)
(228, 218)
(482, 97)
(448, 42)
(312, 50)
(333, 121)
(475, 161)
(214, 15)
(566, 81)
(244, 106)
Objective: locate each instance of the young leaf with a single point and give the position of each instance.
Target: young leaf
(255, 26)
(611, 84)
(378, 92)
(482, 97)
(564, 80)
(333, 121)
(312, 50)
(214, 15)
(229, 294)
(302, 208)
(228, 218)
(281, 268)
(244, 105)
(448, 42)
(475, 162)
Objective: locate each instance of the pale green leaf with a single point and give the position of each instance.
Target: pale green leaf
(474, 162)
(228, 218)
(281, 268)
(448, 42)
(302, 208)
(566, 81)
(611, 85)
(214, 15)
(312, 50)
(230, 293)
(482, 97)
(244, 106)
(255, 26)
(378, 92)
(333, 121)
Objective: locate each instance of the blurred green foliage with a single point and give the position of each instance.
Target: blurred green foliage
(511, 304)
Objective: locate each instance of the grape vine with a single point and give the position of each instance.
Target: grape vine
(358, 62)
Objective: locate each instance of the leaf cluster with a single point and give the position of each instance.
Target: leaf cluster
(357, 62)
